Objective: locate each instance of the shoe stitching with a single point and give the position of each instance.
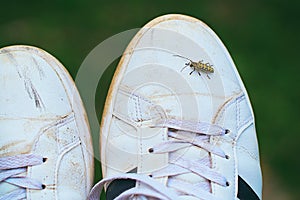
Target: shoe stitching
(250, 119)
(67, 149)
(218, 116)
(236, 114)
(137, 100)
(58, 123)
(136, 109)
(250, 122)
(140, 109)
(239, 100)
(244, 149)
(213, 166)
(141, 160)
(235, 171)
(125, 89)
(239, 113)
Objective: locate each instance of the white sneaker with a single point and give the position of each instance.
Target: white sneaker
(45, 144)
(168, 133)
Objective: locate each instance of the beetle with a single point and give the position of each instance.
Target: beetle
(198, 66)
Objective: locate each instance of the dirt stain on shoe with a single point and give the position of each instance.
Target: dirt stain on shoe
(21, 143)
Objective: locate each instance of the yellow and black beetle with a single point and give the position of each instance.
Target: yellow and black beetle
(198, 66)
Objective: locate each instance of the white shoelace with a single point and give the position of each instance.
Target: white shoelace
(10, 169)
(185, 135)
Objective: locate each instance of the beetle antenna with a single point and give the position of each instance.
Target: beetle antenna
(183, 57)
(183, 68)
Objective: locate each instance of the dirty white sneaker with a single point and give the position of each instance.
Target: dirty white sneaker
(178, 123)
(45, 144)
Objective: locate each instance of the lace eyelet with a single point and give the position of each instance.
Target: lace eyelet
(227, 157)
(150, 150)
(45, 159)
(227, 184)
(227, 131)
(43, 186)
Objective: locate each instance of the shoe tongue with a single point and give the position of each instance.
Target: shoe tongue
(150, 102)
(116, 187)
(162, 107)
(194, 154)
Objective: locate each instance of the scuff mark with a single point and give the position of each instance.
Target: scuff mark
(37, 99)
(41, 72)
(32, 92)
(29, 87)
(15, 63)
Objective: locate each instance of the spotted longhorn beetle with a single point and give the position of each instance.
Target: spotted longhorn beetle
(198, 66)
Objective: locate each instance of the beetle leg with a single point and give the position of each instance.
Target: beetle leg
(192, 71)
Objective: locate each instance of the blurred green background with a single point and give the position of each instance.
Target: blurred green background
(262, 37)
